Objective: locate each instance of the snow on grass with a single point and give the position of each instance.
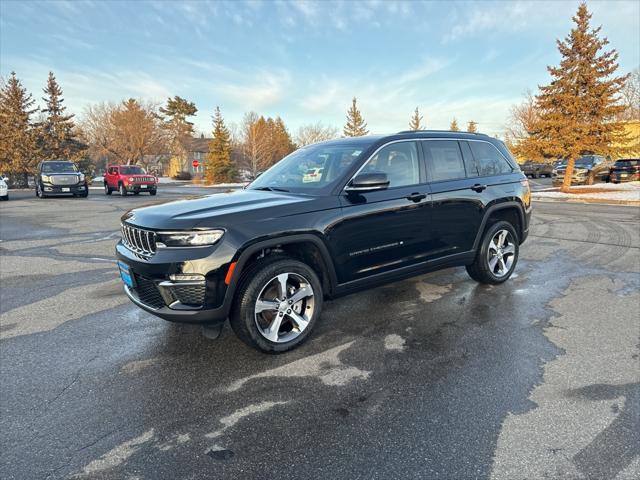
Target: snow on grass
(626, 192)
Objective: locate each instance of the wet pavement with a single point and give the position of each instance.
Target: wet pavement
(432, 377)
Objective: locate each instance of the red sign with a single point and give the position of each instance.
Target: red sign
(195, 164)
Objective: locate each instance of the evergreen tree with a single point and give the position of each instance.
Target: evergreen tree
(177, 127)
(220, 168)
(454, 126)
(416, 121)
(577, 111)
(18, 151)
(472, 127)
(57, 138)
(355, 126)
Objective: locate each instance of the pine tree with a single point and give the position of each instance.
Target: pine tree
(472, 127)
(578, 109)
(18, 151)
(220, 168)
(454, 126)
(416, 121)
(177, 127)
(355, 126)
(57, 132)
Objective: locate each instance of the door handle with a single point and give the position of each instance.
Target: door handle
(416, 197)
(478, 188)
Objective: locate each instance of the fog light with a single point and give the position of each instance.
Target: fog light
(183, 277)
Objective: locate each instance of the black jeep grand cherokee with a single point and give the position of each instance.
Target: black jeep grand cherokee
(382, 208)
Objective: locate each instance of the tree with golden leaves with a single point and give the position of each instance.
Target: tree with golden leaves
(454, 126)
(472, 127)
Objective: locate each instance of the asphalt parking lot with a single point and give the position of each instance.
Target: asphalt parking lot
(433, 377)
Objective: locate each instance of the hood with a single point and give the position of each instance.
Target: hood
(222, 210)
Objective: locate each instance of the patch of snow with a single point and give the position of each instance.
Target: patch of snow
(216, 185)
(430, 292)
(118, 455)
(326, 365)
(137, 365)
(394, 342)
(98, 179)
(230, 420)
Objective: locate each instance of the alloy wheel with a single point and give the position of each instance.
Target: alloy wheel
(501, 253)
(284, 307)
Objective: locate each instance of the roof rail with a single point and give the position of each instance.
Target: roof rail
(439, 131)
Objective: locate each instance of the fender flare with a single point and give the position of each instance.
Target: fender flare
(273, 242)
(494, 208)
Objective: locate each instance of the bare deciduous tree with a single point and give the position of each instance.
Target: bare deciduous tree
(314, 133)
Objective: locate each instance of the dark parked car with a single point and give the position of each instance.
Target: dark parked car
(536, 169)
(587, 170)
(384, 208)
(625, 170)
(60, 177)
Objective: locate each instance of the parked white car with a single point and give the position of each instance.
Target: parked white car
(4, 189)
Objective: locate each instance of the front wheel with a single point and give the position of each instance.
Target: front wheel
(107, 189)
(277, 304)
(152, 192)
(497, 256)
(122, 190)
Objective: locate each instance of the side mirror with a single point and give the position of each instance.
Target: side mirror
(368, 182)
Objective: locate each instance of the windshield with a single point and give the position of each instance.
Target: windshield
(585, 161)
(310, 169)
(59, 167)
(628, 163)
(131, 170)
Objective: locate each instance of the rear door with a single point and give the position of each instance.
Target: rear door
(457, 196)
(387, 229)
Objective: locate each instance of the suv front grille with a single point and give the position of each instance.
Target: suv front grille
(138, 240)
(148, 292)
(64, 179)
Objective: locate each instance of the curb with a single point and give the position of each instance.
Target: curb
(600, 201)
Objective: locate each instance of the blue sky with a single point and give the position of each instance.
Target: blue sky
(304, 60)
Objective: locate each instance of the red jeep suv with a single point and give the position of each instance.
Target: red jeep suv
(129, 178)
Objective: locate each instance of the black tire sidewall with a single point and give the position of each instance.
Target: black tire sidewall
(243, 320)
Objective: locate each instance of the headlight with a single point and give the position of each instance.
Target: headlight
(193, 238)
(46, 178)
(82, 177)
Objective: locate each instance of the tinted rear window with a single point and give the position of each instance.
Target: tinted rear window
(444, 160)
(489, 160)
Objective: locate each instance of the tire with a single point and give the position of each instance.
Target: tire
(152, 192)
(122, 190)
(262, 281)
(481, 270)
(5, 198)
(39, 192)
(107, 189)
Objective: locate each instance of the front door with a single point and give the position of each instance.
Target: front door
(386, 229)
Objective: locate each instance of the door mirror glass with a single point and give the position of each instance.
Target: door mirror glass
(368, 182)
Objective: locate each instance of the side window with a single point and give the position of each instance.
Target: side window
(489, 160)
(399, 161)
(444, 160)
(469, 162)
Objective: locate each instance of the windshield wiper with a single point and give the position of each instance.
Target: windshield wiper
(271, 189)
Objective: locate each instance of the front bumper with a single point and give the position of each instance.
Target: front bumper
(4, 191)
(576, 179)
(49, 189)
(191, 301)
(141, 187)
(622, 177)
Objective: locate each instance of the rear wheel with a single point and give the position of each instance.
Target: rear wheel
(277, 304)
(497, 256)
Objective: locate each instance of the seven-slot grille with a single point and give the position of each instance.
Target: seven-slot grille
(142, 242)
(142, 179)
